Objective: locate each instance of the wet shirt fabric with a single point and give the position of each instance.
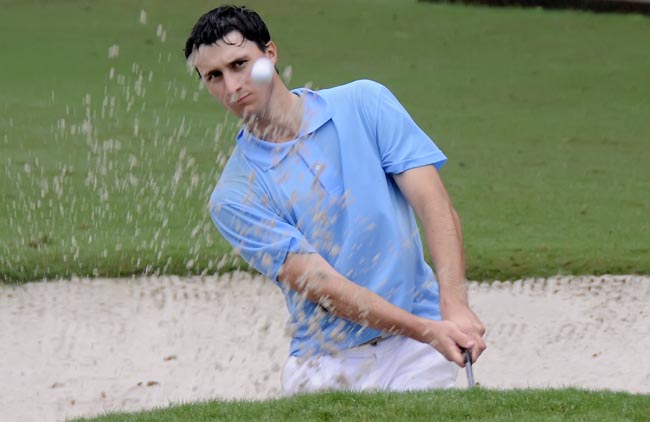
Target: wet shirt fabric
(330, 191)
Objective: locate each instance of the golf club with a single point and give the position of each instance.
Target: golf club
(468, 367)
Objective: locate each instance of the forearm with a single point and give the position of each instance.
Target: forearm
(314, 278)
(426, 193)
(444, 239)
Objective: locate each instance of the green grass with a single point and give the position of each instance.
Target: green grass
(443, 406)
(543, 115)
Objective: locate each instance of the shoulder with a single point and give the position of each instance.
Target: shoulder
(355, 101)
(361, 90)
(234, 183)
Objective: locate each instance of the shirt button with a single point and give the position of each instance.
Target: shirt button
(317, 167)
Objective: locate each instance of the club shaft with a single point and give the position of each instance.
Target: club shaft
(468, 368)
(470, 374)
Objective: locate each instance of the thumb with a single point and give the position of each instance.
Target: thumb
(462, 341)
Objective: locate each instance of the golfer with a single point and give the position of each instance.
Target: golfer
(319, 195)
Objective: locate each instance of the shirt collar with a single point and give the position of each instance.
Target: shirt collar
(269, 154)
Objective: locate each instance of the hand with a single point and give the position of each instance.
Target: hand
(448, 339)
(467, 322)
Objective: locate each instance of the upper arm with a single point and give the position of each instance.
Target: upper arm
(402, 144)
(258, 234)
(423, 188)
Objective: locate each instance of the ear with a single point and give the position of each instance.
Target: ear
(272, 52)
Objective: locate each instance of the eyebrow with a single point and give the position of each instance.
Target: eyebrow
(217, 71)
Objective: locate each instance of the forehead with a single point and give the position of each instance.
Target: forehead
(231, 47)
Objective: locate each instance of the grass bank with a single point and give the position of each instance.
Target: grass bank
(444, 406)
(110, 148)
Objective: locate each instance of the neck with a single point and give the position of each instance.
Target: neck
(282, 120)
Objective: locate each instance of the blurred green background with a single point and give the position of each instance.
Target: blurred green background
(108, 162)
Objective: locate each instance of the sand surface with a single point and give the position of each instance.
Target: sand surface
(85, 347)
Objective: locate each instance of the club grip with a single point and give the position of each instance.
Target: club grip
(467, 355)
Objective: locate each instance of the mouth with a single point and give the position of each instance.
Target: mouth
(241, 99)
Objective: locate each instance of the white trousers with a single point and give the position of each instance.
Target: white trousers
(394, 364)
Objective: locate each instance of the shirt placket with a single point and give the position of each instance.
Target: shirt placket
(324, 174)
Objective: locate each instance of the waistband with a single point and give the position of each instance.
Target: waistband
(374, 341)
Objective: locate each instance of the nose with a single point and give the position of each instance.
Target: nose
(233, 85)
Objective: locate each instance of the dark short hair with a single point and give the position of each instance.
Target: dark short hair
(219, 22)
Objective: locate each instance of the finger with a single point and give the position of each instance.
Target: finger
(478, 348)
(465, 341)
(476, 352)
(456, 356)
(461, 351)
(449, 349)
(478, 328)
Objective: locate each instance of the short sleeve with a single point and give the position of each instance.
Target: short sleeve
(402, 144)
(260, 236)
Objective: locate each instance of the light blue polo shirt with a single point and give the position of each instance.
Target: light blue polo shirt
(330, 191)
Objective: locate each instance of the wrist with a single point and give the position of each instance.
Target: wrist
(453, 296)
(424, 330)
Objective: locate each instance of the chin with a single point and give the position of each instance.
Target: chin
(251, 110)
(241, 112)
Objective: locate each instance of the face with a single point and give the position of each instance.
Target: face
(225, 69)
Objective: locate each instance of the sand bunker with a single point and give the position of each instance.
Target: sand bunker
(85, 347)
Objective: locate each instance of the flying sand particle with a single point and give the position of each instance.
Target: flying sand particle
(113, 51)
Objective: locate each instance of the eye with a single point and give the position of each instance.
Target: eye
(239, 64)
(212, 75)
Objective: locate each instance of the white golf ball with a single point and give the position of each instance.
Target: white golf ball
(262, 71)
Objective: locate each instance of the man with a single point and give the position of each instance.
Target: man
(319, 195)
